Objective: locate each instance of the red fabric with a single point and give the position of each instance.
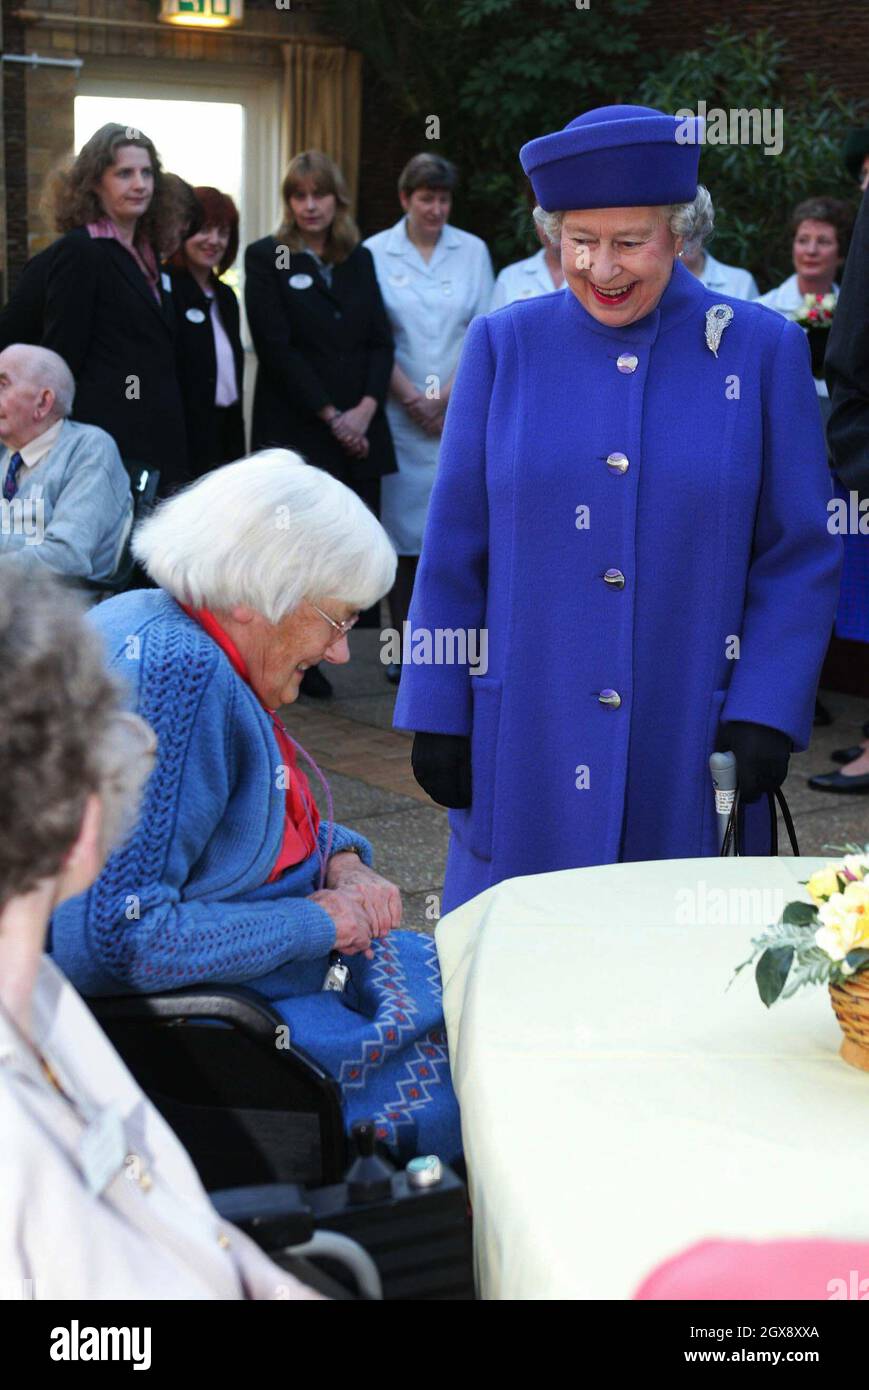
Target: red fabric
(762, 1270)
(300, 837)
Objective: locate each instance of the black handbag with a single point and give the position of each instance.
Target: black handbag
(734, 833)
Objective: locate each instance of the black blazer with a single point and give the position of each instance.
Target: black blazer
(207, 447)
(846, 365)
(102, 318)
(23, 316)
(318, 346)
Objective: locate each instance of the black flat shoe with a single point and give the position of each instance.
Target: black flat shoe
(315, 684)
(848, 755)
(393, 673)
(823, 717)
(844, 786)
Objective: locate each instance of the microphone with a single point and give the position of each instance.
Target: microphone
(722, 766)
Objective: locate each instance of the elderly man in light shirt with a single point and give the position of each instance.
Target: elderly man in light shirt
(65, 501)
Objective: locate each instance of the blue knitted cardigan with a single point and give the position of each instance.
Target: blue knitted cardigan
(186, 899)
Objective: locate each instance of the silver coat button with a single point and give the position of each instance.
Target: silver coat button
(627, 362)
(617, 463)
(615, 578)
(610, 697)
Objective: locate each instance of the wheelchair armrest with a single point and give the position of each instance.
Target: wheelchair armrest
(274, 1214)
(245, 1010)
(220, 1064)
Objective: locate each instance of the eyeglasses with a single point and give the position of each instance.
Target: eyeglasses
(341, 629)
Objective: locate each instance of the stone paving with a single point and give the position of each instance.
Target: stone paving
(368, 767)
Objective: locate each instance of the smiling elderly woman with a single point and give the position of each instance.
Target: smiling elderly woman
(230, 875)
(631, 500)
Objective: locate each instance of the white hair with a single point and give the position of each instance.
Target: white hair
(693, 221)
(47, 370)
(267, 531)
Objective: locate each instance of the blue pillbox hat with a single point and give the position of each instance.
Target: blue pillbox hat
(616, 157)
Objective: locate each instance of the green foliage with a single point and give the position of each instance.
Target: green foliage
(772, 972)
(800, 914)
(790, 959)
(497, 73)
(755, 193)
(500, 72)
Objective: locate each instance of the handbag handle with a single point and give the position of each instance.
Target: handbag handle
(734, 829)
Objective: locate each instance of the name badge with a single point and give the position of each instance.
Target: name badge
(102, 1149)
(400, 279)
(167, 282)
(301, 282)
(446, 286)
(195, 315)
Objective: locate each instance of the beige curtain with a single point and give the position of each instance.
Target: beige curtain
(322, 105)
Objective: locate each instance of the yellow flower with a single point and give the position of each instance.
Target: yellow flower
(823, 884)
(845, 921)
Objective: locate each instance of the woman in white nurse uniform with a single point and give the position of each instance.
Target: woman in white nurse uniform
(536, 275)
(434, 280)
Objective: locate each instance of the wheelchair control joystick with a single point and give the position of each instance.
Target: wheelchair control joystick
(369, 1177)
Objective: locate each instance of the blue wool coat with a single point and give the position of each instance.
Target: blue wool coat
(718, 524)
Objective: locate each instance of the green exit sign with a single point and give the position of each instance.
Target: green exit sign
(204, 14)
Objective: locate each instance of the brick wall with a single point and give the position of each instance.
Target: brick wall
(14, 122)
(829, 37)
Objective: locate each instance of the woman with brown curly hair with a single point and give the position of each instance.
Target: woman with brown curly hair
(323, 342)
(210, 352)
(108, 309)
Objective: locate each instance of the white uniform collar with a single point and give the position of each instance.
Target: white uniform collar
(789, 296)
(398, 243)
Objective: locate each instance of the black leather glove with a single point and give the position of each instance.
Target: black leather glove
(761, 756)
(442, 765)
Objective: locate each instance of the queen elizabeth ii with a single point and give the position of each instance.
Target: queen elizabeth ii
(631, 499)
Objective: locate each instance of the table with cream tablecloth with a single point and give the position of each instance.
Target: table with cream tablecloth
(618, 1101)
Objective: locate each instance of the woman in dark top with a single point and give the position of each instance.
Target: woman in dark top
(22, 318)
(210, 354)
(108, 310)
(323, 342)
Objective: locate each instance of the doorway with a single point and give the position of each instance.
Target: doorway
(211, 123)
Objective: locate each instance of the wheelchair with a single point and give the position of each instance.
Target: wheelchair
(263, 1124)
(246, 1109)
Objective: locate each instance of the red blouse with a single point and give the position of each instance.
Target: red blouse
(300, 835)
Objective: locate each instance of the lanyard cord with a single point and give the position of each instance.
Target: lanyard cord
(323, 859)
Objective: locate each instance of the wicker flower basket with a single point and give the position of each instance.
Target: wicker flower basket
(851, 1005)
